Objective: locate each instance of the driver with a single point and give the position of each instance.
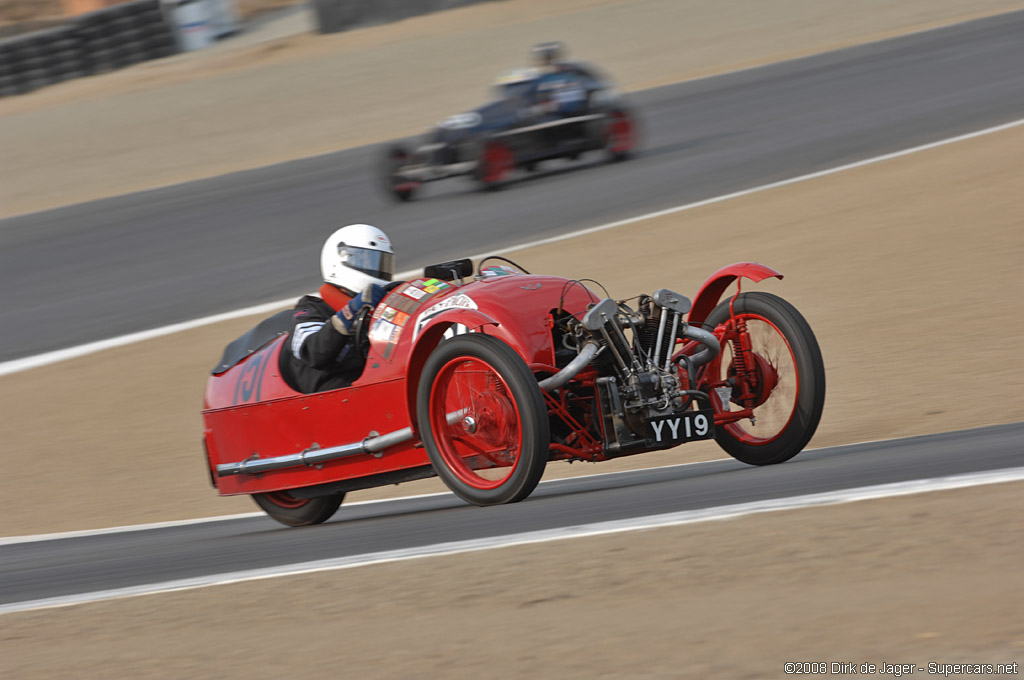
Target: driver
(559, 89)
(357, 263)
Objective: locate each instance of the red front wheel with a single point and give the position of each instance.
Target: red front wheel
(495, 164)
(781, 377)
(483, 420)
(620, 134)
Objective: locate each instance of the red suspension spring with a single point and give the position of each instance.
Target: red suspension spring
(741, 357)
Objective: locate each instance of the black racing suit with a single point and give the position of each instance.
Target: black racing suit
(318, 355)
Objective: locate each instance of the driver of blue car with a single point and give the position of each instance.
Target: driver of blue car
(357, 263)
(559, 89)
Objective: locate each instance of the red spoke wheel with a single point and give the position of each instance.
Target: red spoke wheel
(483, 420)
(785, 377)
(298, 512)
(620, 135)
(495, 164)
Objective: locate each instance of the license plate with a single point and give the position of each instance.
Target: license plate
(683, 427)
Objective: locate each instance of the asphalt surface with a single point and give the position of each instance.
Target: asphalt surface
(63, 567)
(102, 269)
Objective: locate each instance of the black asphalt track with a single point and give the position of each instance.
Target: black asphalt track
(70, 566)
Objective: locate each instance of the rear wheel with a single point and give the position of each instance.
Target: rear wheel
(483, 420)
(298, 512)
(784, 378)
(401, 188)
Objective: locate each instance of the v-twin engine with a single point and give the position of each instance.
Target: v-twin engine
(644, 378)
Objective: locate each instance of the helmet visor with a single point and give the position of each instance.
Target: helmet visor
(377, 263)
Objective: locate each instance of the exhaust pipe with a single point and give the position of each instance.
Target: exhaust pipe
(314, 455)
(586, 355)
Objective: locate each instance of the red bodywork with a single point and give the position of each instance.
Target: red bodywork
(249, 412)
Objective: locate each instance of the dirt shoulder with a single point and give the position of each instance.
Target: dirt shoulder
(203, 114)
(913, 580)
(905, 270)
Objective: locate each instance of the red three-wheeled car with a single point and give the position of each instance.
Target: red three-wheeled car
(482, 378)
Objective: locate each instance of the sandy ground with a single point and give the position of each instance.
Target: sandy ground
(199, 115)
(914, 580)
(908, 271)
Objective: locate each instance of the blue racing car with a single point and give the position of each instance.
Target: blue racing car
(558, 109)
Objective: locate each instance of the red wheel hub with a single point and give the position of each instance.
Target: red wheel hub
(497, 162)
(771, 376)
(620, 133)
(762, 377)
(475, 423)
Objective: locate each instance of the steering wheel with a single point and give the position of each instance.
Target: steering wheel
(361, 331)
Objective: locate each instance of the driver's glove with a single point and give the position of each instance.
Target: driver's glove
(370, 297)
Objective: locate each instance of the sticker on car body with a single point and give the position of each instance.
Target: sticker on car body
(460, 301)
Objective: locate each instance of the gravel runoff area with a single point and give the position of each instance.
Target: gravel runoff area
(206, 113)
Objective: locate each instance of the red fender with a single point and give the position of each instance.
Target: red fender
(711, 291)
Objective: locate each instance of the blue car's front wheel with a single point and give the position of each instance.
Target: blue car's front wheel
(620, 134)
(494, 164)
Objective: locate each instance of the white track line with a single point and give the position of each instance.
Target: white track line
(26, 363)
(562, 533)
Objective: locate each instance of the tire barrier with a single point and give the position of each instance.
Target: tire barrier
(96, 42)
(333, 16)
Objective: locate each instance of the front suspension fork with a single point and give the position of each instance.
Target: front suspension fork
(744, 366)
(744, 363)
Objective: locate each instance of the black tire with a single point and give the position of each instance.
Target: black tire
(124, 27)
(71, 54)
(125, 9)
(39, 77)
(149, 17)
(158, 39)
(32, 63)
(296, 512)
(134, 55)
(801, 369)
(164, 51)
(395, 157)
(100, 54)
(507, 413)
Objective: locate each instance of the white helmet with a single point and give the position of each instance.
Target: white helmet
(355, 256)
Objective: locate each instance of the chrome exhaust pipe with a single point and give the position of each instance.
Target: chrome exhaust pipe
(586, 355)
(314, 455)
